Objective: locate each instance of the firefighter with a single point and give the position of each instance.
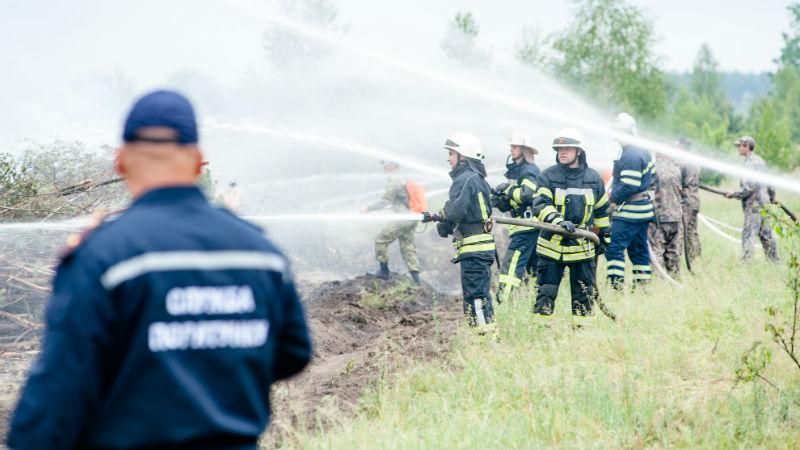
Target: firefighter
(754, 196)
(168, 324)
(631, 200)
(573, 196)
(516, 197)
(395, 196)
(466, 216)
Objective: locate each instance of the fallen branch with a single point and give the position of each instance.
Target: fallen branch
(20, 321)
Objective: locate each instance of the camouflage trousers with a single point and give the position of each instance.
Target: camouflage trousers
(757, 225)
(666, 242)
(398, 231)
(692, 236)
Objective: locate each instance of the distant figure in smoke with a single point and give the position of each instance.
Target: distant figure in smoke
(571, 195)
(631, 200)
(168, 324)
(754, 196)
(666, 234)
(465, 216)
(395, 196)
(516, 197)
(690, 203)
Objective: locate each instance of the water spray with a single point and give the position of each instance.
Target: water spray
(515, 103)
(347, 217)
(716, 230)
(339, 143)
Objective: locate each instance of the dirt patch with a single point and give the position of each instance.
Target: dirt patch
(363, 328)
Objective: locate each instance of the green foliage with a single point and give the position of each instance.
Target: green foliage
(460, 41)
(772, 134)
(790, 53)
(606, 51)
(531, 48)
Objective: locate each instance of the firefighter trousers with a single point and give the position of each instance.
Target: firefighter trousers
(581, 285)
(521, 255)
(630, 236)
(476, 277)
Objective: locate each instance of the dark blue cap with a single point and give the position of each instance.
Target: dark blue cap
(162, 109)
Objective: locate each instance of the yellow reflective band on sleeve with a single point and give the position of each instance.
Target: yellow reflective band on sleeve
(631, 181)
(603, 200)
(630, 215)
(482, 203)
(546, 211)
(637, 208)
(631, 173)
(529, 184)
(650, 166)
(517, 195)
(546, 192)
(602, 222)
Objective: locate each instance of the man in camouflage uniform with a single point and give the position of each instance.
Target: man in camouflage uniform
(754, 197)
(690, 203)
(396, 197)
(665, 233)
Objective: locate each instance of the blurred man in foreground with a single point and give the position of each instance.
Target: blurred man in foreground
(168, 324)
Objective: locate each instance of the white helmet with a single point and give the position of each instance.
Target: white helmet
(568, 137)
(466, 144)
(523, 140)
(625, 123)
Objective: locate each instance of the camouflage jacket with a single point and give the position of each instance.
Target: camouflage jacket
(753, 194)
(690, 175)
(394, 195)
(668, 191)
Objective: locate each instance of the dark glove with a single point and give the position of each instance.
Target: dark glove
(428, 216)
(444, 228)
(605, 241)
(501, 189)
(567, 225)
(501, 202)
(772, 193)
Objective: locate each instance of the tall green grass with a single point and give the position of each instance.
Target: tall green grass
(662, 376)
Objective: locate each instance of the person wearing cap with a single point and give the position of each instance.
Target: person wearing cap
(168, 324)
(690, 203)
(754, 196)
(516, 198)
(633, 177)
(571, 195)
(395, 196)
(466, 216)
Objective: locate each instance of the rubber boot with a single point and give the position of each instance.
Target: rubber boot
(382, 273)
(415, 277)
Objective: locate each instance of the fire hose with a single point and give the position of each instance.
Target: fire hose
(783, 207)
(579, 233)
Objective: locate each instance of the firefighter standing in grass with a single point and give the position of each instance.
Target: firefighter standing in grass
(665, 233)
(395, 196)
(516, 197)
(465, 216)
(754, 196)
(571, 195)
(633, 175)
(168, 324)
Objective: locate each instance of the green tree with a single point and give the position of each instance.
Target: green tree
(606, 51)
(460, 42)
(790, 53)
(773, 135)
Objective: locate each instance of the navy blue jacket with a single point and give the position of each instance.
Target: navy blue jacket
(165, 329)
(634, 172)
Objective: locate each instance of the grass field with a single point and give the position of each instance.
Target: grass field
(662, 376)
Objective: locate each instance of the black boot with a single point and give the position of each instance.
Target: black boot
(382, 273)
(415, 277)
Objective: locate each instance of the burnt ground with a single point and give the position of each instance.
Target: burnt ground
(363, 329)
